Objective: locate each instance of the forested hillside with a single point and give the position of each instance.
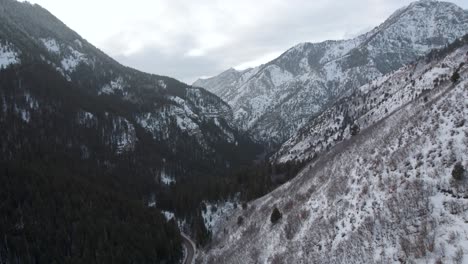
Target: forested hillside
(91, 148)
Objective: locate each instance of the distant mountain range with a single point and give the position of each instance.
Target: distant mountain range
(274, 100)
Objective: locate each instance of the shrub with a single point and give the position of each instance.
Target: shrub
(458, 258)
(355, 129)
(244, 206)
(275, 216)
(458, 171)
(455, 77)
(240, 220)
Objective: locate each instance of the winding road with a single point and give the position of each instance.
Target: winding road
(190, 248)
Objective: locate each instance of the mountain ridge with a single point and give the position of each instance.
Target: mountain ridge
(308, 74)
(385, 192)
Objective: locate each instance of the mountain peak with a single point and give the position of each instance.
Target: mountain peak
(425, 5)
(275, 100)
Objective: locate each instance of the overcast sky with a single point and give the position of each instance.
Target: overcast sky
(188, 39)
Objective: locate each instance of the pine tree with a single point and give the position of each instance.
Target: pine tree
(275, 216)
(458, 171)
(455, 77)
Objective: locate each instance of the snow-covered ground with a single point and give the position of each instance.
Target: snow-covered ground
(385, 195)
(217, 213)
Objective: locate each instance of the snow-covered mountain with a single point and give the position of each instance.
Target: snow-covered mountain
(391, 191)
(365, 107)
(29, 33)
(274, 100)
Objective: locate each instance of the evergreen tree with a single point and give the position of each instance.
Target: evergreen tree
(455, 77)
(458, 171)
(275, 216)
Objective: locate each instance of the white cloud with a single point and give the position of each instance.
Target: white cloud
(195, 53)
(258, 61)
(186, 39)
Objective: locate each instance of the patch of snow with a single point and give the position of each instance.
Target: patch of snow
(216, 213)
(152, 201)
(168, 215)
(186, 124)
(8, 56)
(75, 58)
(166, 178)
(25, 115)
(115, 85)
(51, 45)
(162, 84)
(32, 102)
(229, 135)
(125, 135)
(86, 118)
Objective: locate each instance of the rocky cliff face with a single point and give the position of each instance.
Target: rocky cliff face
(274, 100)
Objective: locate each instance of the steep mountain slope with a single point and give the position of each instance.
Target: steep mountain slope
(30, 35)
(367, 106)
(31, 32)
(273, 100)
(73, 118)
(224, 83)
(393, 192)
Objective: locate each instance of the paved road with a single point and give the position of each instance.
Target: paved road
(190, 248)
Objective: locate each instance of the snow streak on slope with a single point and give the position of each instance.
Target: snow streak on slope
(75, 58)
(274, 100)
(115, 85)
(7, 56)
(51, 45)
(386, 195)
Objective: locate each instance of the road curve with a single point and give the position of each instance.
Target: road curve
(190, 248)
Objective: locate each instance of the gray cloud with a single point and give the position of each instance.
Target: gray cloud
(188, 39)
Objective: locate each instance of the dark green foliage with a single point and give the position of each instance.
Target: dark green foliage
(244, 206)
(455, 77)
(53, 136)
(63, 204)
(458, 172)
(51, 215)
(240, 220)
(355, 129)
(275, 216)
